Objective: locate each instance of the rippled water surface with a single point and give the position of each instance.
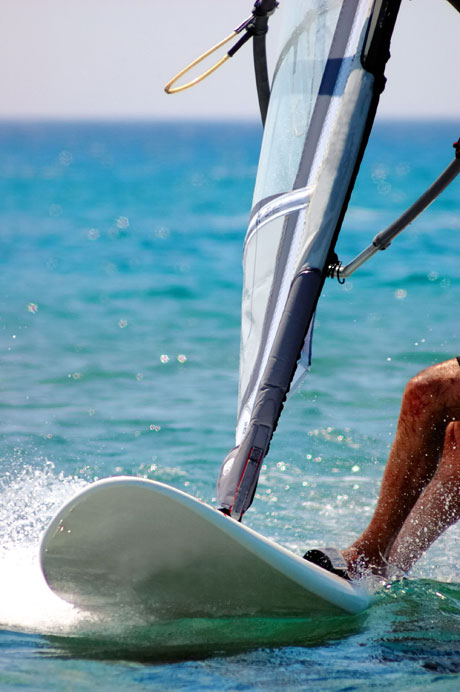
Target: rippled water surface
(120, 252)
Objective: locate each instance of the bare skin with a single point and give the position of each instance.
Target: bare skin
(420, 492)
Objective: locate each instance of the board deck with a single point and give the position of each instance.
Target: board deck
(138, 543)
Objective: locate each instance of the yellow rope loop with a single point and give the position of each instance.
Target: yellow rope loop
(174, 90)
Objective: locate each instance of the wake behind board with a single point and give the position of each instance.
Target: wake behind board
(138, 543)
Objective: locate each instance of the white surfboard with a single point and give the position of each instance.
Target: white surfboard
(137, 543)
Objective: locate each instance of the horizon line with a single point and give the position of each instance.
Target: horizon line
(165, 119)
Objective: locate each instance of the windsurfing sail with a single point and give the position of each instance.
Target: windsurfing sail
(325, 90)
(318, 117)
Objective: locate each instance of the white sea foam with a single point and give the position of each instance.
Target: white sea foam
(30, 497)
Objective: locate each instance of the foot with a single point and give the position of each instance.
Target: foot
(329, 559)
(360, 563)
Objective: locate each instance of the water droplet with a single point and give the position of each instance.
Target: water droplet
(123, 222)
(384, 188)
(93, 234)
(65, 158)
(379, 172)
(162, 232)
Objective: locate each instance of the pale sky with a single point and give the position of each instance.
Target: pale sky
(111, 58)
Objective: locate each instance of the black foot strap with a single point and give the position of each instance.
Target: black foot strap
(330, 559)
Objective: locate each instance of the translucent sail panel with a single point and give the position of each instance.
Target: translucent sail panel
(259, 269)
(306, 40)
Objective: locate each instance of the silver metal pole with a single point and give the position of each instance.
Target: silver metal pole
(383, 239)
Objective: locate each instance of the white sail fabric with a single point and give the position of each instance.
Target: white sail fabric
(318, 109)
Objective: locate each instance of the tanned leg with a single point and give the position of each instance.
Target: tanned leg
(437, 508)
(431, 400)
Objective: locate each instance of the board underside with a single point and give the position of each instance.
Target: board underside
(127, 542)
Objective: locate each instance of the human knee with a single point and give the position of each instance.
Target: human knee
(422, 393)
(449, 466)
(436, 388)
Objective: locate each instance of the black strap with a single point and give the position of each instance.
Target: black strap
(455, 3)
(262, 11)
(261, 73)
(257, 29)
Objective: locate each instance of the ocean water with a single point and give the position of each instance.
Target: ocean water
(120, 252)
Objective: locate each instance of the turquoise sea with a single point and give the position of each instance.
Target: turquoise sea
(120, 281)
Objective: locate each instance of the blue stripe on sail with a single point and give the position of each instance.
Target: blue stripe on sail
(328, 86)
